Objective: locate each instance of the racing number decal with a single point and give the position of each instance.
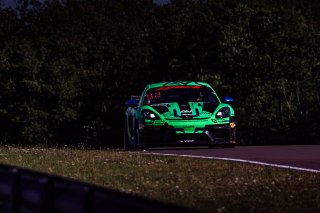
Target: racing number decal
(151, 96)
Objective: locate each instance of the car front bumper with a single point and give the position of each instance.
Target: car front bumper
(166, 135)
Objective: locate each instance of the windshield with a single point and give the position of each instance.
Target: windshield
(180, 94)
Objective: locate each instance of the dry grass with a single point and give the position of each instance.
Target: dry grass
(207, 185)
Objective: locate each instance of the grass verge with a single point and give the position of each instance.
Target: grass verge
(201, 184)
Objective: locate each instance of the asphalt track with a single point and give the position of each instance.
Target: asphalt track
(300, 157)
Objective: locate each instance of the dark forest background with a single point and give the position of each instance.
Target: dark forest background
(67, 66)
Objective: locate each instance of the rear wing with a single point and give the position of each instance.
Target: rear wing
(135, 97)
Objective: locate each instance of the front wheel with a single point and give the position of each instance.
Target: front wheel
(139, 141)
(228, 145)
(126, 142)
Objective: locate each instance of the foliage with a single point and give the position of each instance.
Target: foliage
(66, 67)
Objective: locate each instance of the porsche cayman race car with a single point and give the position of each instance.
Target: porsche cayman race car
(179, 113)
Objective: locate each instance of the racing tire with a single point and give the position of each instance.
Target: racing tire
(210, 146)
(138, 139)
(126, 143)
(144, 147)
(228, 145)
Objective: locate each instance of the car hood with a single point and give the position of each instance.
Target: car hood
(186, 110)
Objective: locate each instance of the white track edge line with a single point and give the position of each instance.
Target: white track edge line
(239, 160)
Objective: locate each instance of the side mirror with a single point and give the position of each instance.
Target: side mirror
(131, 103)
(228, 99)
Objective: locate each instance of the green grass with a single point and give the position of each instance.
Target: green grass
(206, 185)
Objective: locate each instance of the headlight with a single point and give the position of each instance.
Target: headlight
(223, 113)
(149, 115)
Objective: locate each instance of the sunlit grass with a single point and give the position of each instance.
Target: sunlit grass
(207, 185)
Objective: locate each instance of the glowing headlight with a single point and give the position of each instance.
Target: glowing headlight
(219, 114)
(149, 115)
(223, 113)
(152, 115)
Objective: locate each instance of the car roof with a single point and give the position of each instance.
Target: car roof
(177, 83)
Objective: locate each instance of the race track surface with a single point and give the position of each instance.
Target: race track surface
(301, 156)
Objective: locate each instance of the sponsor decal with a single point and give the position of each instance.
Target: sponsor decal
(186, 141)
(186, 112)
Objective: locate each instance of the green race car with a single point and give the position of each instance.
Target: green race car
(179, 113)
